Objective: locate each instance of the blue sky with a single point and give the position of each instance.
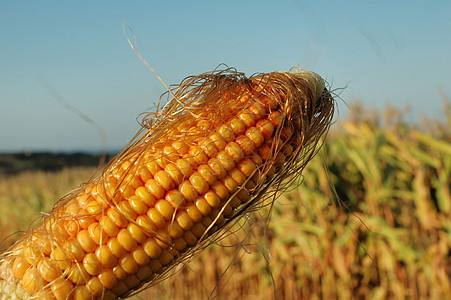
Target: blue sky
(393, 52)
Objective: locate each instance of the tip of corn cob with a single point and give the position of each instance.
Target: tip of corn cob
(316, 81)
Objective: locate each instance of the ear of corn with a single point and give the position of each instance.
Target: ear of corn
(223, 144)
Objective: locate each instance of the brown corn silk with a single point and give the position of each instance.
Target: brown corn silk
(223, 145)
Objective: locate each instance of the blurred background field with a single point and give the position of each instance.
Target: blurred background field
(371, 220)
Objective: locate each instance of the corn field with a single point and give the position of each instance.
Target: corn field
(370, 220)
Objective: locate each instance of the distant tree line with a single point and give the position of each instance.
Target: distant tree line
(13, 163)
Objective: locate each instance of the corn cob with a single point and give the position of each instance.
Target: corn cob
(221, 145)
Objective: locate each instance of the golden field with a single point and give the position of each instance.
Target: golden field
(370, 220)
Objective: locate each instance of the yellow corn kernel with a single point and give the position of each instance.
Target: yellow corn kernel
(206, 221)
(217, 168)
(128, 264)
(155, 266)
(59, 256)
(237, 126)
(165, 209)
(250, 185)
(105, 256)
(118, 218)
(85, 241)
(137, 205)
(126, 240)
(107, 278)
(144, 173)
(169, 153)
(247, 167)
(48, 269)
(108, 226)
(174, 172)
(218, 141)
(197, 154)
(230, 184)
(257, 110)
(125, 191)
(175, 198)
(156, 218)
(155, 188)
(163, 239)
(188, 191)
(81, 292)
(78, 274)
(146, 224)
(226, 160)
(264, 152)
(92, 264)
(276, 118)
(152, 249)
(203, 206)
(208, 148)
(181, 147)
(247, 118)
(73, 249)
(116, 247)
(32, 281)
(245, 144)
(133, 182)
(164, 180)
(94, 286)
(243, 195)
(140, 256)
(194, 213)
(175, 231)
(120, 273)
(184, 220)
(207, 174)
(265, 127)
(226, 132)
(180, 244)
(85, 220)
(126, 210)
(234, 202)
(184, 166)
(71, 227)
(217, 217)
(109, 295)
(137, 233)
(212, 199)
(145, 196)
(198, 183)
(221, 190)
(20, 266)
(61, 288)
(255, 136)
(153, 167)
(32, 255)
(270, 102)
(97, 234)
(234, 151)
(239, 177)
